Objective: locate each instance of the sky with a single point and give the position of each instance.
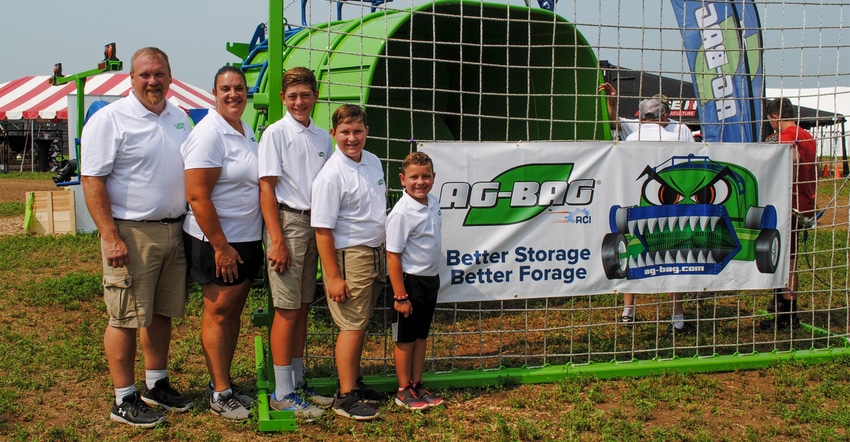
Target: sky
(806, 42)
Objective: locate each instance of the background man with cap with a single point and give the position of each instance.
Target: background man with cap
(627, 126)
(653, 126)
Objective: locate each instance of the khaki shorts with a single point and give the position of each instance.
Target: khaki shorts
(363, 270)
(296, 285)
(154, 283)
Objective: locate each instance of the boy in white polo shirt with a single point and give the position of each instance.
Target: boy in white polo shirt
(349, 213)
(292, 152)
(413, 252)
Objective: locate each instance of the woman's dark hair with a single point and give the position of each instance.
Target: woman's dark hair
(225, 69)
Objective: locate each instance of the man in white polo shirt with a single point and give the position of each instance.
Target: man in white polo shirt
(132, 177)
(627, 126)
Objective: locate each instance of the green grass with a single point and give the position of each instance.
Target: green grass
(12, 209)
(51, 329)
(35, 176)
(22, 252)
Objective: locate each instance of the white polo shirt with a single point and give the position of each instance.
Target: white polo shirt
(682, 131)
(236, 195)
(294, 154)
(350, 199)
(138, 152)
(655, 132)
(413, 230)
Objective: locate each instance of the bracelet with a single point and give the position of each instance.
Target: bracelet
(401, 298)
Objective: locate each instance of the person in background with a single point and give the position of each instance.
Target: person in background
(653, 125)
(413, 254)
(223, 230)
(292, 152)
(349, 214)
(132, 164)
(627, 126)
(780, 114)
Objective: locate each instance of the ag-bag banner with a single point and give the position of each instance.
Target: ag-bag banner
(720, 55)
(551, 219)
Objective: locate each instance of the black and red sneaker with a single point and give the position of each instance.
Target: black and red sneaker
(433, 399)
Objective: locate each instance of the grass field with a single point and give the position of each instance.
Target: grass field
(54, 382)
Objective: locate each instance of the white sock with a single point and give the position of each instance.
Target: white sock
(298, 369)
(216, 394)
(120, 393)
(151, 376)
(284, 381)
(678, 321)
(629, 310)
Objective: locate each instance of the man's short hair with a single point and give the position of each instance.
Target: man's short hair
(299, 75)
(417, 159)
(781, 107)
(150, 52)
(348, 113)
(652, 109)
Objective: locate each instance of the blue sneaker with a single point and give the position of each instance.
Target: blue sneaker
(294, 402)
(313, 396)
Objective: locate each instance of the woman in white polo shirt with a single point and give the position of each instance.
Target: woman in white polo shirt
(223, 229)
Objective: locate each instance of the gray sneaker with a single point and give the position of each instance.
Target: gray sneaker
(313, 396)
(240, 396)
(294, 402)
(227, 406)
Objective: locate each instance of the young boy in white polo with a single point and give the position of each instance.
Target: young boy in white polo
(349, 213)
(413, 252)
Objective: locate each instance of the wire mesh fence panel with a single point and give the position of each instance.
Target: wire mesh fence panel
(506, 72)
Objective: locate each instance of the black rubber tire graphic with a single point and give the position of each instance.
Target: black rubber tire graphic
(767, 250)
(613, 246)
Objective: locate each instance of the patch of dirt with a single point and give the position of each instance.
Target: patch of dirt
(15, 190)
(835, 208)
(11, 225)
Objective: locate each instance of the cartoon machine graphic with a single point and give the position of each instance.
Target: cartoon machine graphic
(695, 215)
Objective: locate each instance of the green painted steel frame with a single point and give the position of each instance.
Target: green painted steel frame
(356, 53)
(79, 80)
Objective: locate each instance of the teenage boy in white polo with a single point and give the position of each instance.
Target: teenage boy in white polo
(292, 152)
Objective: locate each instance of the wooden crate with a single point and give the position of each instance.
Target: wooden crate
(51, 212)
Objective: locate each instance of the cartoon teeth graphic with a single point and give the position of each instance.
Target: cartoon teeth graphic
(695, 215)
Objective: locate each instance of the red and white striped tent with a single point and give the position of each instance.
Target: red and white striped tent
(33, 97)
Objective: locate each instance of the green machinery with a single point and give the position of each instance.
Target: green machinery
(449, 70)
(110, 63)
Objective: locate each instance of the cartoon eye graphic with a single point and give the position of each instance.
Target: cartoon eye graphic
(715, 192)
(659, 193)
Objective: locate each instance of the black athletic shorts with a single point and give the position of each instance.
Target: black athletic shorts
(200, 257)
(422, 291)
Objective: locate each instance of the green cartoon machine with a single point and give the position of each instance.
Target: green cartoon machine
(695, 215)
